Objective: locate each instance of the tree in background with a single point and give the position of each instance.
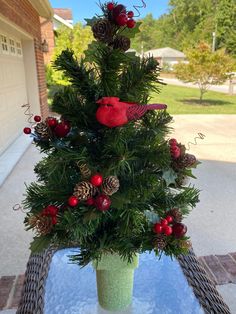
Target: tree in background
(205, 68)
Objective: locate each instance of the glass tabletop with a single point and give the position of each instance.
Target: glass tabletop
(160, 287)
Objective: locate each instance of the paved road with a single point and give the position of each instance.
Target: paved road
(217, 88)
(212, 225)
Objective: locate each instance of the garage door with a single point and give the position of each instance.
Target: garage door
(13, 91)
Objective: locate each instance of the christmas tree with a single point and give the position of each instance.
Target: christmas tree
(111, 179)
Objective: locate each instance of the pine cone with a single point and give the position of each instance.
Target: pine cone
(103, 31)
(185, 244)
(84, 169)
(42, 130)
(160, 242)
(176, 214)
(85, 190)
(110, 185)
(188, 160)
(121, 42)
(42, 224)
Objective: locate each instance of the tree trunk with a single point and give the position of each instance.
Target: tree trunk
(201, 94)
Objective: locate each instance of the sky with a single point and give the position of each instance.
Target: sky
(88, 8)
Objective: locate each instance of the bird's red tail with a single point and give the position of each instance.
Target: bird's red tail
(157, 106)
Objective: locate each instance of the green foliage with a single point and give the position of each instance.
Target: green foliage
(205, 68)
(137, 153)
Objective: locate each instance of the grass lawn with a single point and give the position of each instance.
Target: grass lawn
(184, 100)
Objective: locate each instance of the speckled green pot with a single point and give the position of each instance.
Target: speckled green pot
(115, 280)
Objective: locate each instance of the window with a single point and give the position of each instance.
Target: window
(12, 46)
(18, 49)
(4, 44)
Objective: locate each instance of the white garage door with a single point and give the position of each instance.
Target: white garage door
(12, 89)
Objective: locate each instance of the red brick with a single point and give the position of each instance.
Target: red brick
(17, 291)
(229, 265)
(222, 277)
(6, 284)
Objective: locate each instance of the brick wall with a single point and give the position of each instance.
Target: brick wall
(22, 13)
(48, 34)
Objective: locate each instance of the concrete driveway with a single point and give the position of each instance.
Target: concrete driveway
(212, 224)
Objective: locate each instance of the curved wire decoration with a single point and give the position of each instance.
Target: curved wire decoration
(28, 114)
(137, 7)
(200, 136)
(18, 207)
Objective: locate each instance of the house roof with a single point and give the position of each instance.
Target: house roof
(166, 52)
(43, 7)
(65, 14)
(62, 21)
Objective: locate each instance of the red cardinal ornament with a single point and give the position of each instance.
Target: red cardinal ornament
(112, 112)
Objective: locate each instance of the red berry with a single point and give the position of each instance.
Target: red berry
(131, 23)
(54, 220)
(167, 230)
(73, 201)
(52, 210)
(52, 122)
(46, 212)
(37, 118)
(122, 19)
(169, 219)
(110, 6)
(179, 230)
(27, 131)
(130, 14)
(164, 222)
(158, 228)
(120, 8)
(62, 129)
(173, 142)
(102, 202)
(175, 152)
(90, 202)
(96, 179)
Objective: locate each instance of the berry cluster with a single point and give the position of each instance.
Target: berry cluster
(168, 227)
(49, 128)
(120, 16)
(51, 211)
(174, 148)
(101, 201)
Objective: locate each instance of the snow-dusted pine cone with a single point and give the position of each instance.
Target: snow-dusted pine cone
(121, 42)
(188, 160)
(42, 130)
(85, 190)
(84, 169)
(176, 214)
(103, 31)
(185, 244)
(42, 224)
(110, 185)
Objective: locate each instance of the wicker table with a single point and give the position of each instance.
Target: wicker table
(54, 286)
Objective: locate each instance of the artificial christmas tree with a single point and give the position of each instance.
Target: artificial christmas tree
(111, 179)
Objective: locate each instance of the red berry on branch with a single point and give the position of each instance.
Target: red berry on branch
(131, 23)
(164, 222)
(37, 118)
(158, 228)
(54, 220)
(179, 230)
(62, 129)
(90, 202)
(110, 6)
(122, 19)
(169, 219)
(27, 131)
(96, 179)
(130, 14)
(173, 142)
(102, 202)
(167, 230)
(73, 201)
(120, 8)
(52, 122)
(52, 210)
(175, 152)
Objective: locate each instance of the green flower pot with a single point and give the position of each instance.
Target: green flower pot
(115, 278)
